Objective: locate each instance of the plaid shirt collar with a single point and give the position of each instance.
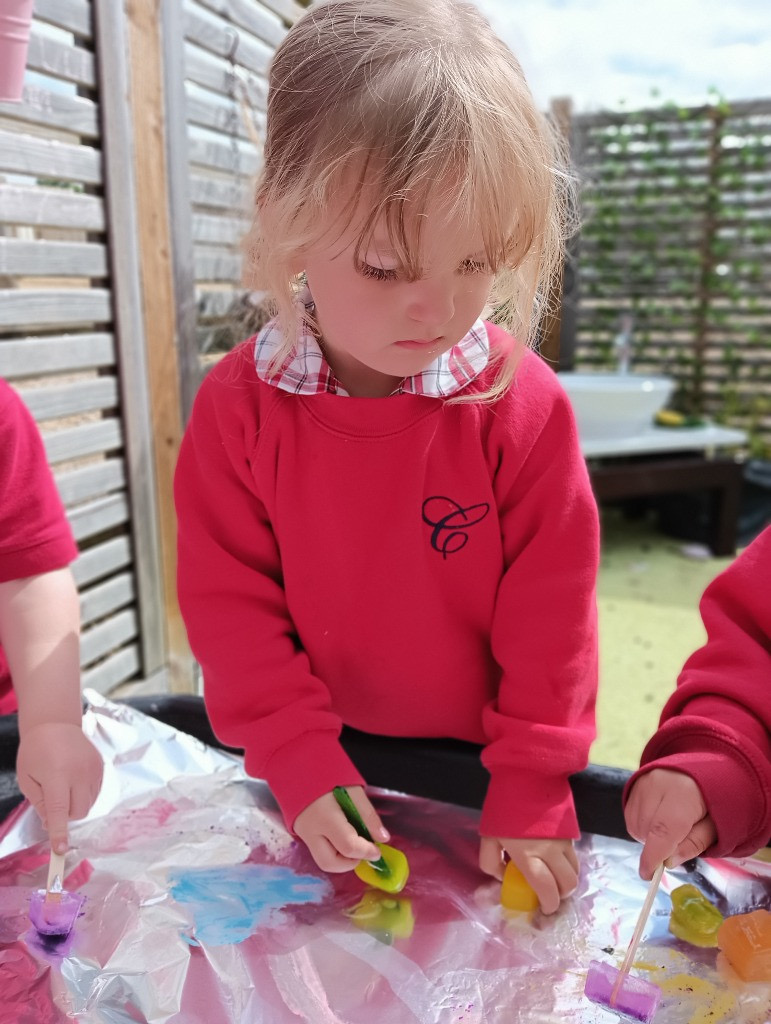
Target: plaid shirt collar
(306, 371)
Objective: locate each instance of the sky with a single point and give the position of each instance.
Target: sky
(611, 54)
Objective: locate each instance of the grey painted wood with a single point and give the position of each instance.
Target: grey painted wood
(46, 258)
(87, 439)
(217, 265)
(225, 40)
(220, 113)
(286, 9)
(73, 15)
(233, 155)
(232, 194)
(180, 203)
(24, 307)
(50, 207)
(60, 60)
(217, 74)
(54, 109)
(254, 17)
(213, 305)
(219, 230)
(80, 396)
(100, 640)
(106, 598)
(102, 560)
(109, 673)
(30, 357)
(114, 85)
(99, 516)
(91, 481)
(27, 154)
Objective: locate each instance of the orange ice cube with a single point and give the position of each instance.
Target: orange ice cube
(746, 941)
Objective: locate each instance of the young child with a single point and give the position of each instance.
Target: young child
(384, 516)
(705, 780)
(59, 770)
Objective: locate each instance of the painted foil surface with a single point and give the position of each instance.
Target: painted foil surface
(201, 909)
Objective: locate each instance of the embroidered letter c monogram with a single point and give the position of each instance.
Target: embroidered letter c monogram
(450, 522)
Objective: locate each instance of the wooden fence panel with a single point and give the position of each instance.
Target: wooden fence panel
(58, 295)
(677, 234)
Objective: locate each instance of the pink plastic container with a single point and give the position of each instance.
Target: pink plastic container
(15, 19)
(57, 914)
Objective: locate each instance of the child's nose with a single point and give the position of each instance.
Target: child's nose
(431, 303)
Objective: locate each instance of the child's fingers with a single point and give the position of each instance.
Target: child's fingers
(491, 857)
(700, 838)
(348, 843)
(328, 857)
(542, 880)
(369, 815)
(56, 803)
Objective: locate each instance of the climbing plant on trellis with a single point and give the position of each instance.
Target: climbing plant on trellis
(677, 232)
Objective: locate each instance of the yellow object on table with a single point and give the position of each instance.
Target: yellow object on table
(516, 892)
(694, 919)
(390, 873)
(382, 914)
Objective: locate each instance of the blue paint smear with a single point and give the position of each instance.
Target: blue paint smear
(230, 903)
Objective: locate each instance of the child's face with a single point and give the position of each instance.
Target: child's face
(377, 327)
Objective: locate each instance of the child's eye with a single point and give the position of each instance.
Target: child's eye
(474, 267)
(377, 273)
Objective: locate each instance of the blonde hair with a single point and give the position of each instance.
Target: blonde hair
(413, 100)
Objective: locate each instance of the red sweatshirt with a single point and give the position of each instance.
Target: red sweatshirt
(35, 536)
(716, 727)
(402, 565)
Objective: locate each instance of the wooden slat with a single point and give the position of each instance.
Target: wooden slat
(215, 304)
(232, 194)
(89, 439)
(31, 357)
(216, 265)
(221, 114)
(60, 110)
(47, 258)
(27, 154)
(219, 230)
(120, 667)
(106, 598)
(239, 158)
(60, 60)
(249, 15)
(145, 146)
(107, 636)
(80, 396)
(102, 560)
(224, 40)
(72, 15)
(49, 207)
(91, 481)
(286, 9)
(217, 74)
(24, 307)
(99, 516)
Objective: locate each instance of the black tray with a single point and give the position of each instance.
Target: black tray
(447, 770)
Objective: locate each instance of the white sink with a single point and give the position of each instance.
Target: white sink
(615, 405)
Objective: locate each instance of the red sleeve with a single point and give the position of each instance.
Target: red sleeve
(259, 690)
(35, 536)
(716, 727)
(544, 634)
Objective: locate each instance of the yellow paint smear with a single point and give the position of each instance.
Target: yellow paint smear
(712, 1004)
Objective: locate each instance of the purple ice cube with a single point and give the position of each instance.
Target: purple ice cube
(55, 915)
(636, 998)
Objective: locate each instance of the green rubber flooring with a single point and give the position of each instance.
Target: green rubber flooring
(648, 597)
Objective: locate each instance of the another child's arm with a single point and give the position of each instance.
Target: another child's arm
(705, 777)
(59, 770)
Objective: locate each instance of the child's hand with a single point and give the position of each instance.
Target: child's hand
(60, 773)
(550, 866)
(666, 812)
(333, 842)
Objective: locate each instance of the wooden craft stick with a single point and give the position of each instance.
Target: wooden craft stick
(55, 867)
(641, 920)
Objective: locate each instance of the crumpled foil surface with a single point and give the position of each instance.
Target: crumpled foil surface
(201, 909)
